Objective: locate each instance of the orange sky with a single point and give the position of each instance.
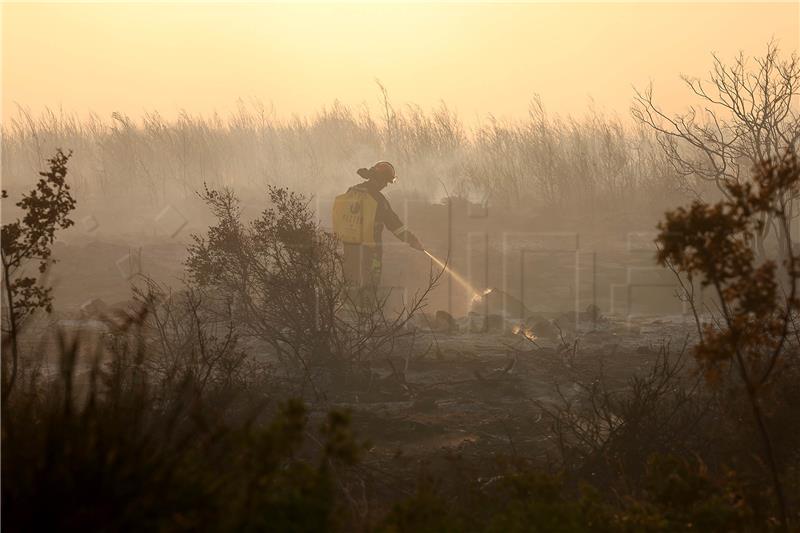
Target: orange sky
(479, 58)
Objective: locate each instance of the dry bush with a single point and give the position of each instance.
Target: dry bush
(280, 278)
(185, 340)
(748, 345)
(110, 445)
(606, 433)
(746, 356)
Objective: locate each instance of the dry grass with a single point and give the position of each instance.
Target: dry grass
(540, 160)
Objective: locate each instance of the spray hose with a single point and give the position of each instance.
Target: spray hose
(456, 276)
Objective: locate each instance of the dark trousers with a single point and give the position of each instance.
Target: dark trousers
(362, 265)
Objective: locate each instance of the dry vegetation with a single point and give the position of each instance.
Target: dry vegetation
(263, 394)
(169, 421)
(548, 161)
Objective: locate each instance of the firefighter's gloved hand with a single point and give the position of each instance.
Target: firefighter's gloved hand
(414, 242)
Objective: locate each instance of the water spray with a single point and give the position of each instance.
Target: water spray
(476, 295)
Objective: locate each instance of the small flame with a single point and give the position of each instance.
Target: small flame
(530, 335)
(525, 332)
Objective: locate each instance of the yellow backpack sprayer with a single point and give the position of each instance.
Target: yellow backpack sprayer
(354, 217)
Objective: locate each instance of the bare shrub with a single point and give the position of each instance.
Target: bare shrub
(281, 278)
(189, 343)
(606, 433)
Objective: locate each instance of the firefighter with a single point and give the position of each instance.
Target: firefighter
(359, 216)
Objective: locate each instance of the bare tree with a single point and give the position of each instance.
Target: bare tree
(747, 114)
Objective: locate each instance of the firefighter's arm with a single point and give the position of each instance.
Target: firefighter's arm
(396, 226)
(405, 235)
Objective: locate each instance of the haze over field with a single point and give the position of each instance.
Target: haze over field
(478, 58)
(400, 267)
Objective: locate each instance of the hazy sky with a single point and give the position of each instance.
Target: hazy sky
(479, 58)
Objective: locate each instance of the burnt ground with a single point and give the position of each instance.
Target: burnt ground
(482, 393)
(460, 405)
(464, 392)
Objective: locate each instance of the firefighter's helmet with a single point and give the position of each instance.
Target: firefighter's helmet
(381, 170)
